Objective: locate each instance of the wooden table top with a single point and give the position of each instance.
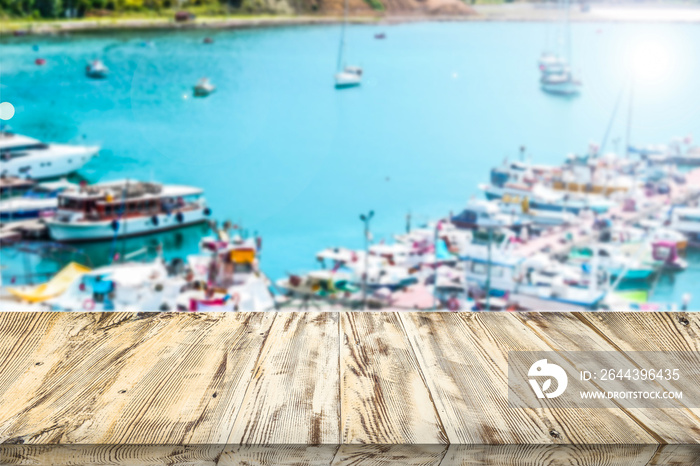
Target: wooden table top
(319, 388)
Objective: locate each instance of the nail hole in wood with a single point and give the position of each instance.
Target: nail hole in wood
(554, 433)
(38, 363)
(122, 391)
(214, 395)
(683, 321)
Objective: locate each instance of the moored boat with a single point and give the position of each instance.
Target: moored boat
(22, 156)
(41, 200)
(12, 186)
(123, 209)
(229, 271)
(203, 88)
(96, 69)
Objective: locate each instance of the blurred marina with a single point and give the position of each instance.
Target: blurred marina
(149, 223)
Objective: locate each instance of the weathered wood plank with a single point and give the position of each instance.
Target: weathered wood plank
(278, 455)
(294, 396)
(382, 455)
(26, 336)
(464, 357)
(355, 455)
(384, 398)
(160, 378)
(574, 332)
(417, 378)
(550, 455)
(112, 455)
(676, 455)
(657, 331)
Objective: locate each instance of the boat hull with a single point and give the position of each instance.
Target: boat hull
(346, 80)
(56, 161)
(126, 228)
(573, 206)
(23, 214)
(566, 89)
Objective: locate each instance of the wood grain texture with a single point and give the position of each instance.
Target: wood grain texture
(294, 395)
(278, 455)
(385, 455)
(465, 359)
(574, 332)
(96, 382)
(130, 378)
(658, 331)
(384, 397)
(676, 455)
(550, 455)
(112, 455)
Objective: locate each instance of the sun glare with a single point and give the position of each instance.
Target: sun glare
(651, 62)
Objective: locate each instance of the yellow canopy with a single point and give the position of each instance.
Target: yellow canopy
(54, 287)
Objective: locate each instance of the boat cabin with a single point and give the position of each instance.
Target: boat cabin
(126, 199)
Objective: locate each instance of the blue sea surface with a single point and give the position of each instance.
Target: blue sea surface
(281, 152)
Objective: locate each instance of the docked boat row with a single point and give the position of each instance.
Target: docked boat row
(588, 234)
(595, 232)
(223, 276)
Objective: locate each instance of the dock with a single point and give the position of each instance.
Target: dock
(322, 388)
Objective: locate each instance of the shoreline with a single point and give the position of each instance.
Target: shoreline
(483, 13)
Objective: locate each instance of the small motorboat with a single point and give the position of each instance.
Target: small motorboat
(203, 88)
(96, 70)
(350, 76)
(40, 61)
(381, 35)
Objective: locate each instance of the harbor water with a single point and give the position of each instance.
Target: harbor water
(280, 152)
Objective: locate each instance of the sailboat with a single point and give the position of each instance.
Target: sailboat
(557, 77)
(346, 76)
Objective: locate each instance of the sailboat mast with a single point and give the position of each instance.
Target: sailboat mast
(629, 120)
(567, 31)
(342, 36)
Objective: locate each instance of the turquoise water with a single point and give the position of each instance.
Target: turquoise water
(280, 151)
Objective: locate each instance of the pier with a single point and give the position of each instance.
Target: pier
(81, 385)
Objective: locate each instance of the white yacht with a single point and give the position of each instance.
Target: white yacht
(125, 208)
(25, 157)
